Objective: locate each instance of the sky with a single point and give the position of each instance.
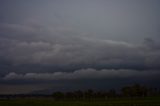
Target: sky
(50, 45)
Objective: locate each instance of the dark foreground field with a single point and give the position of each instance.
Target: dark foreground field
(148, 101)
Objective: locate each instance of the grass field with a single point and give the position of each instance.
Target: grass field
(110, 102)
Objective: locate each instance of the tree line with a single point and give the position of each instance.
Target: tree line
(135, 90)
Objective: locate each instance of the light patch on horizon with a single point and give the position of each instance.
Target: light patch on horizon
(22, 89)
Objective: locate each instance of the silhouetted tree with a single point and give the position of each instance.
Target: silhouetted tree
(58, 95)
(79, 94)
(70, 95)
(135, 90)
(153, 92)
(100, 94)
(89, 93)
(126, 91)
(111, 93)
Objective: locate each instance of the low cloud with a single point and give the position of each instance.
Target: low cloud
(83, 74)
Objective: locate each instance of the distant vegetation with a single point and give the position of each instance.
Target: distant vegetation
(135, 95)
(135, 90)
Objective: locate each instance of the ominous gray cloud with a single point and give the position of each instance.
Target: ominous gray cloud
(79, 39)
(54, 47)
(84, 74)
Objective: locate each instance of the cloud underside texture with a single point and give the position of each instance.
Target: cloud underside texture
(61, 46)
(84, 74)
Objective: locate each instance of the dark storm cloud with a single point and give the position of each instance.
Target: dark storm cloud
(58, 46)
(152, 44)
(51, 41)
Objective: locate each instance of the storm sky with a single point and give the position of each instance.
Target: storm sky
(78, 44)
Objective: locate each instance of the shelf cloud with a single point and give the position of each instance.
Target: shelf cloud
(83, 74)
(79, 40)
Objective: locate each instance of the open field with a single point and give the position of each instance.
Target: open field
(154, 101)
